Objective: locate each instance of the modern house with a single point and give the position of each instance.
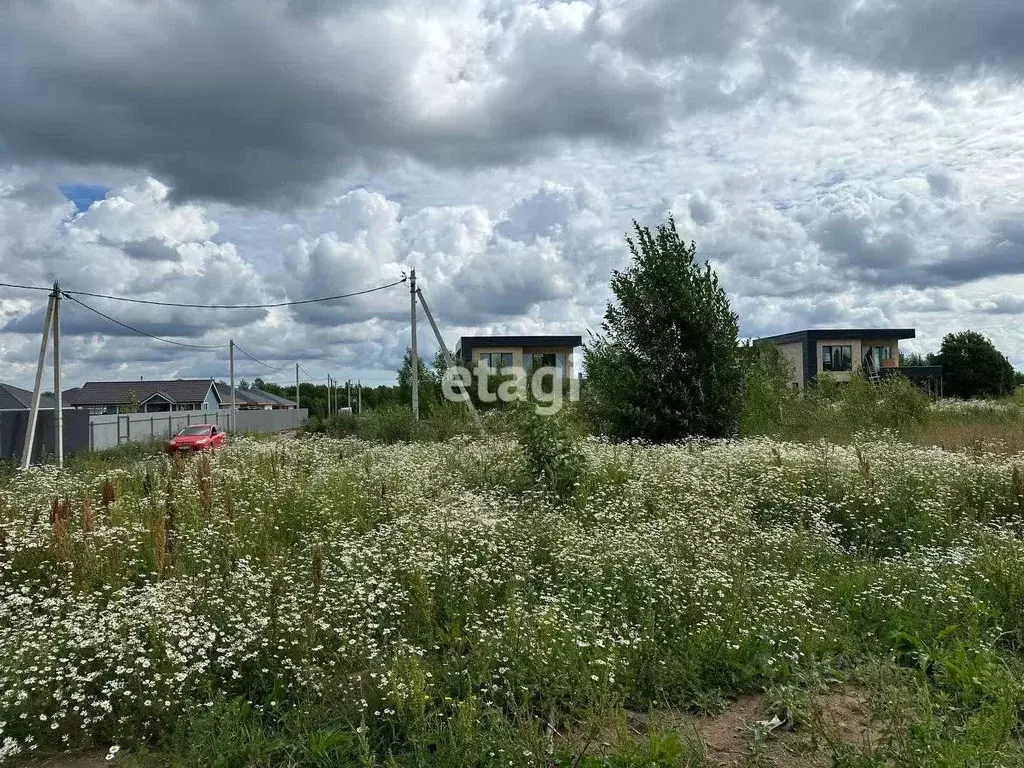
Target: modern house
(145, 396)
(14, 398)
(253, 399)
(525, 352)
(841, 352)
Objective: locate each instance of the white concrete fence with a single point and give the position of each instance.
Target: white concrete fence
(110, 431)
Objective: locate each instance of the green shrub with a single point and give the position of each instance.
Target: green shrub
(554, 455)
(390, 424)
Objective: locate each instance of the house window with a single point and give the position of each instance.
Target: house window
(496, 360)
(877, 354)
(837, 358)
(532, 360)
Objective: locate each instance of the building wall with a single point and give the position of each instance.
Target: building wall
(211, 403)
(794, 355)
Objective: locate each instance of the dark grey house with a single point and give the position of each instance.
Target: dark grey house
(519, 351)
(146, 396)
(843, 351)
(253, 399)
(14, 398)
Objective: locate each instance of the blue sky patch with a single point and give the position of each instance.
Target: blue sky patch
(83, 195)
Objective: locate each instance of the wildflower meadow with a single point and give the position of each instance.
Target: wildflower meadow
(327, 602)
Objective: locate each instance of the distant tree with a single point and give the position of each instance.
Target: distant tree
(911, 359)
(440, 365)
(768, 392)
(973, 367)
(133, 405)
(429, 391)
(243, 384)
(258, 383)
(667, 365)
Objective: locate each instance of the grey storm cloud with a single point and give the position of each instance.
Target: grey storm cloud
(261, 101)
(151, 249)
(268, 100)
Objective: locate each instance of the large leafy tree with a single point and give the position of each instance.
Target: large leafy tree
(667, 364)
(973, 367)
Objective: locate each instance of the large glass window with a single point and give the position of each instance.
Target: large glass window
(877, 354)
(496, 360)
(533, 360)
(837, 358)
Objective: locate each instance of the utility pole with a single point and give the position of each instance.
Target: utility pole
(58, 410)
(415, 368)
(231, 366)
(37, 391)
(348, 387)
(328, 395)
(450, 360)
(359, 397)
(296, 386)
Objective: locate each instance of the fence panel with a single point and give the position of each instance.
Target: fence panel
(14, 425)
(111, 430)
(271, 421)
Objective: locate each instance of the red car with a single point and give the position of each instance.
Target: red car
(198, 437)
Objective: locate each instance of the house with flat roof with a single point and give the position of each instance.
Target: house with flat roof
(147, 396)
(841, 352)
(526, 352)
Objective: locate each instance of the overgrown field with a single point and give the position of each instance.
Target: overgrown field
(331, 602)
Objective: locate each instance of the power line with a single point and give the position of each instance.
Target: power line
(265, 365)
(26, 287)
(153, 302)
(133, 329)
(310, 375)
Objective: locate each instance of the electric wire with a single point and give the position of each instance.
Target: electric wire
(265, 365)
(26, 287)
(153, 302)
(141, 332)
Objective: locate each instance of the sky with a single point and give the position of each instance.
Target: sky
(839, 163)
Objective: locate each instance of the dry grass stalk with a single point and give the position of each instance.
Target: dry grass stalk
(109, 494)
(1017, 485)
(60, 514)
(864, 466)
(88, 518)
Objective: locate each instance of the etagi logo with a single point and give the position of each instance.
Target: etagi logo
(545, 385)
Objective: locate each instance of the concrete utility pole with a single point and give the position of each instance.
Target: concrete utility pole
(231, 366)
(37, 390)
(348, 387)
(359, 396)
(415, 368)
(328, 394)
(450, 360)
(296, 386)
(58, 405)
